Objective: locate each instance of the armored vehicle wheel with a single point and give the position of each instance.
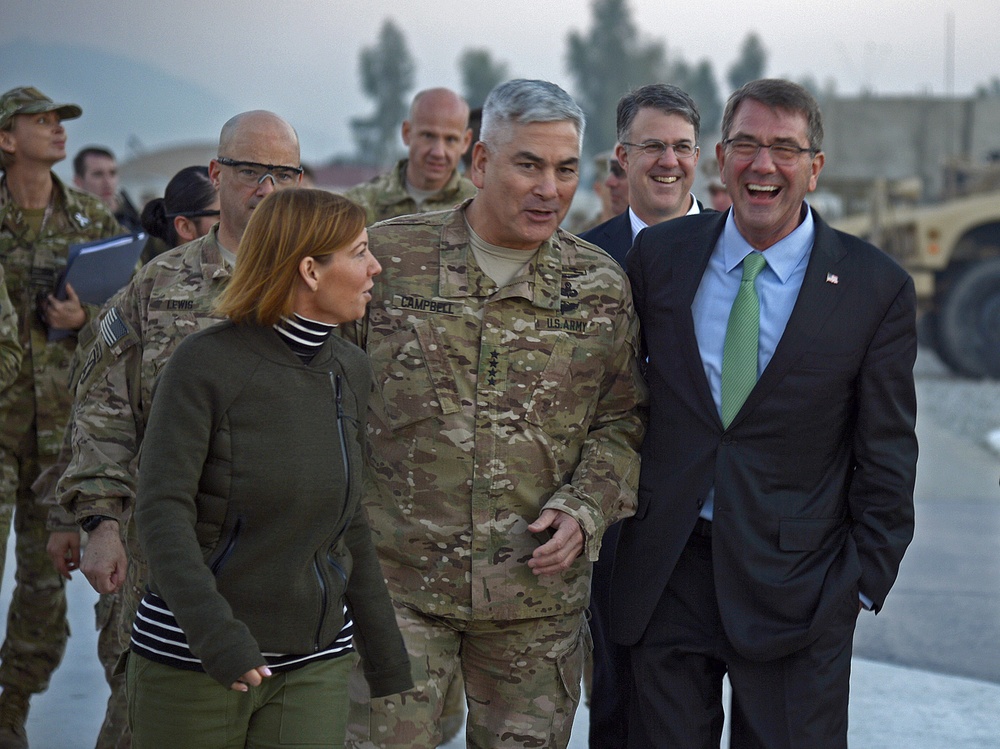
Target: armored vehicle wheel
(968, 325)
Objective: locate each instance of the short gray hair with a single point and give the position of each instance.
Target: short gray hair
(663, 97)
(522, 101)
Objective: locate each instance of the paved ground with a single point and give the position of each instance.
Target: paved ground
(926, 671)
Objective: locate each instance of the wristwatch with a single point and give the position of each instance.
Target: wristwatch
(89, 524)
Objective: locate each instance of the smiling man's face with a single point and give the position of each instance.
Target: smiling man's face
(659, 189)
(526, 183)
(767, 197)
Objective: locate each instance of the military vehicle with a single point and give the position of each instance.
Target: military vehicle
(952, 250)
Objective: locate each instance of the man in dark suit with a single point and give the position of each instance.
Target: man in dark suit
(657, 147)
(658, 128)
(771, 510)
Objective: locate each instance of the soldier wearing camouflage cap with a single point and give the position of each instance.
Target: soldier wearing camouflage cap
(39, 219)
(504, 431)
(436, 133)
(169, 298)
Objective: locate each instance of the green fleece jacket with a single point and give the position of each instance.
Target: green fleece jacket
(248, 504)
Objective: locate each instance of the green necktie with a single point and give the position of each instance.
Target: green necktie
(739, 354)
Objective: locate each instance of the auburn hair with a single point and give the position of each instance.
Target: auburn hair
(285, 228)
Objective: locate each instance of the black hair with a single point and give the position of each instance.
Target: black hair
(80, 160)
(190, 191)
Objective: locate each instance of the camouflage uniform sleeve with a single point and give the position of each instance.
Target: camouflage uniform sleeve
(604, 485)
(106, 421)
(60, 517)
(364, 196)
(10, 348)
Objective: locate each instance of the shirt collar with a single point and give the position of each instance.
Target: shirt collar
(782, 257)
(638, 224)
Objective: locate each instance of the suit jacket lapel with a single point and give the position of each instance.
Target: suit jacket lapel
(618, 235)
(690, 260)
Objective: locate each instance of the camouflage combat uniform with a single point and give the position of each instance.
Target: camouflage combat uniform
(168, 299)
(10, 348)
(33, 415)
(492, 405)
(386, 197)
(383, 198)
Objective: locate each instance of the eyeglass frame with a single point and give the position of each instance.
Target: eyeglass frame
(789, 147)
(269, 169)
(662, 147)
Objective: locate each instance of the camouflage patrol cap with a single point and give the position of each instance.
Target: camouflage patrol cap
(29, 100)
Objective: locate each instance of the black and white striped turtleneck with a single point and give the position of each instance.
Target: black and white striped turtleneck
(304, 337)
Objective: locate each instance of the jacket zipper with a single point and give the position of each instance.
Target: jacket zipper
(230, 545)
(338, 395)
(322, 610)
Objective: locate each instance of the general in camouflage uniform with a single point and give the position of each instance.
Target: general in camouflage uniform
(10, 347)
(34, 410)
(505, 423)
(436, 132)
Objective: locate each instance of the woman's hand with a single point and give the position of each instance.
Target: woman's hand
(251, 678)
(67, 314)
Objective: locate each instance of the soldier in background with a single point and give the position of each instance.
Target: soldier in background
(39, 219)
(169, 298)
(10, 349)
(504, 433)
(193, 201)
(611, 190)
(437, 133)
(95, 170)
(719, 196)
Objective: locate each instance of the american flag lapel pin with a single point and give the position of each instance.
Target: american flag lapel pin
(832, 278)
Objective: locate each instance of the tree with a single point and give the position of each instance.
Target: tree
(480, 73)
(606, 63)
(750, 65)
(991, 88)
(387, 72)
(701, 85)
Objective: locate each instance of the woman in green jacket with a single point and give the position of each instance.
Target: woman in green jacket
(262, 568)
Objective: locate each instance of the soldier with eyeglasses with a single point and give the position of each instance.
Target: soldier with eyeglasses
(169, 298)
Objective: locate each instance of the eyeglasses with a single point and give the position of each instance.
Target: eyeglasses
(785, 154)
(251, 173)
(656, 148)
(193, 214)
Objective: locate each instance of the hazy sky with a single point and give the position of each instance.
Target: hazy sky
(300, 57)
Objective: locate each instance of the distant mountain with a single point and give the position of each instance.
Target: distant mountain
(128, 106)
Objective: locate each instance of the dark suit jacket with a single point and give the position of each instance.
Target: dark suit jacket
(614, 236)
(813, 479)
